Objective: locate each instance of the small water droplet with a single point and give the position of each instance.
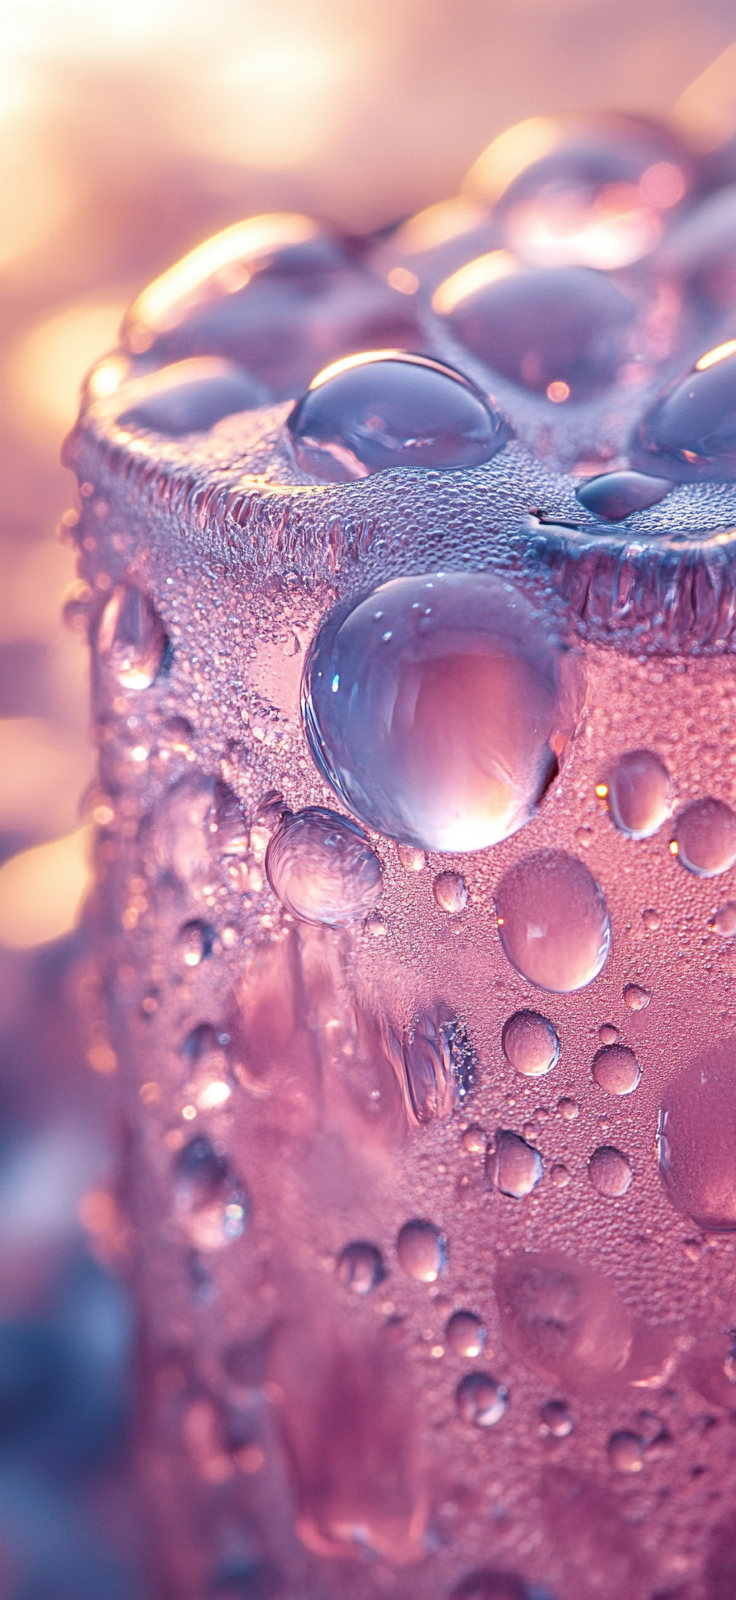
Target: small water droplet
(513, 1166)
(626, 1451)
(636, 997)
(207, 1065)
(608, 1033)
(610, 1172)
(530, 1044)
(640, 793)
(411, 860)
(705, 837)
(131, 638)
(553, 921)
(724, 921)
(466, 1334)
(451, 892)
(568, 1108)
(210, 1205)
(474, 1138)
(616, 1069)
(556, 1419)
(559, 1175)
(322, 868)
(195, 942)
(422, 1250)
(481, 1400)
(615, 495)
(360, 1267)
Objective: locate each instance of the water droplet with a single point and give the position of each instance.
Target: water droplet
(481, 1400)
(705, 837)
(724, 921)
(322, 868)
(691, 432)
(131, 638)
(206, 1060)
(640, 793)
(616, 1069)
(361, 1268)
(422, 1251)
(188, 397)
(530, 1044)
(652, 919)
(569, 1109)
(370, 412)
(447, 736)
(210, 1205)
(411, 860)
(553, 921)
(465, 1334)
(556, 1419)
(513, 1166)
(439, 1065)
(626, 1451)
(565, 325)
(636, 997)
(563, 1318)
(610, 1172)
(696, 1138)
(559, 1175)
(608, 1033)
(450, 892)
(195, 942)
(615, 495)
(474, 1138)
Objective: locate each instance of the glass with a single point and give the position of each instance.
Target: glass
(411, 621)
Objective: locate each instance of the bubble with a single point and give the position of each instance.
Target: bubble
(639, 793)
(371, 412)
(440, 709)
(210, 1205)
(513, 1166)
(563, 1318)
(322, 868)
(704, 837)
(691, 431)
(205, 1054)
(422, 1251)
(626, 1452)
(559, 1175)
(553, 921)
(439, 1065)
(569, 1109)
(556, 1419)
(189, 397)
(360, 1267)
(481, 1400)
(195, 942)
(131, 638)
(530, 1044)
(490, 1584)
(724, 921)
(616, 495)
(697, 1138)
(565, 325)
(636, 997)
(610, 1172)
(474, 1138)
(411, 860)
(616, 1069)
(451, 892)
(465, 1334)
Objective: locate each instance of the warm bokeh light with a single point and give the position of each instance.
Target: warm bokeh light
(706, 111)
(51, 360)
(41, 891)
(719, 353)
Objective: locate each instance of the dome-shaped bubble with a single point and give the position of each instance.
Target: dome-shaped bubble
(131, 638)
(561, 332)
(530, 1044)
(360, 1267)
(610, 1172)
(616, 1069)
(513, 1166)
(210, 1206)
(387, 409)
(639, 793)
(275, 293)
(439, 709)
(481, 1400)
(422, 1250)
(322, 868)
(563, 1318)
(616, 495)
(188, 397)
(553, 921)
(690, 433)
(697, 1139)
(465, 1334)
(704, 837)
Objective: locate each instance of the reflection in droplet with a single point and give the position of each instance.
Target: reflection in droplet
(195, 942)
(513, 1166)
(704, 837)
(616, 1069)
(724, 921)
(636, 997)
(440, 709)
(626, 1451)
(691, 432)
(422, 1250)
(530, 1044)
(615, 495)
(131, 638)
(640, 793)
(556, 1419)
(610, 1172)
(465, 1334)
(608, 1033)
(481, 1400)
(450, 892)
(188, 397)
(697, 1138)
(210, 1205)
(322, 868)
(387, 409)
(553, 921)
(360, 1267)
(559, 1175)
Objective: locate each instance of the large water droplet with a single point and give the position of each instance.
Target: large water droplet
(553, 921)
(361, 1268)
(691, 432)
(131, 638)
(513, 1166)
(705, 837)
(616, 1069)
(566, 326)
(563, 1318)
(481, 1400)
(640, 793)
(188, 397)
(530, 1044)
(610, 1172)
(465, 1334)
(322, 868)
(697, 1139)
(440, 709)
(210, 1205)
(422, 1250)
(615, 495)
(384, 410)
(198, 822)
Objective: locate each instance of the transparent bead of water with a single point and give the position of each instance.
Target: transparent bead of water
(704, 837)
(440, 709)
(188, 397)
(131, 638)
(210, 1205)
(205, 1055)
(724, 921)
(691, 432)
(568, 1108)
(322, 868)
(636, 997)
(616, 1069)
(481, 1400)
(466, 1334)
(530, 1044)
(553, 921)
(450, 892)
(615, 495)
(375, 411)
(422, 1250)
(640, 793)
(513, 1166)
(411, 860)
(626, 1451)
(556, 1419)
(439, 1065)
(697, 1137)
(360, 1267)
(610, 1172)
(562, 1317)
(195, 942)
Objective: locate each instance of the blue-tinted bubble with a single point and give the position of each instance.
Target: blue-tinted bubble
(392, 410)
(691, 432)
(439, 708)
(322, 868)
(615, 495)
(190, 397)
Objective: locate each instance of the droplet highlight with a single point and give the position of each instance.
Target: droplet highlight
(530, 1044)
(422, 1251)
(481, 1400)
(553, 921)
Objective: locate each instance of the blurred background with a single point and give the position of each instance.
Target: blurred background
(128, 132)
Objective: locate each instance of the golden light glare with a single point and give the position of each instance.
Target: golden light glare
(51, 362)
(438, 225)
(41, 891)
(505, 157)
(720, 352)
(470, 278)
(706, 111)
